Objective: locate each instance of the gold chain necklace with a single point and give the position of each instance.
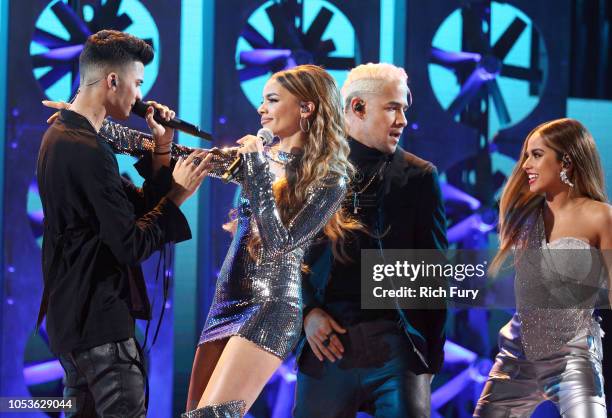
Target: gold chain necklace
(356, 193)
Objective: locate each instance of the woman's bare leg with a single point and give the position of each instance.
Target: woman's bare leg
(206, 357)
(241, 373)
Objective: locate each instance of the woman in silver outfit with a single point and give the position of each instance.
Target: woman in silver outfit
(555, 220)
(290, 192)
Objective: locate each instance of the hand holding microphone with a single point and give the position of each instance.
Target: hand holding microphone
(140, 109)
(162, 135)
(249, 144)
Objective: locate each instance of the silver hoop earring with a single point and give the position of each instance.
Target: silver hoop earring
(307, 129)
(565, 179)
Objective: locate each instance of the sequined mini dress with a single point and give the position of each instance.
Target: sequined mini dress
(256, 298)
(260, 299)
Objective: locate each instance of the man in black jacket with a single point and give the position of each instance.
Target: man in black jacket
(99, 228)
(379, 361)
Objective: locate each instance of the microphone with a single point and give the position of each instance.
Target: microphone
(140, 109)
(267, 137)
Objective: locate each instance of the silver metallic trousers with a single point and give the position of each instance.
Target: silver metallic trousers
(571, 378)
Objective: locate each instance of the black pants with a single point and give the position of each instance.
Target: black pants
(107, 381)
(378, 374)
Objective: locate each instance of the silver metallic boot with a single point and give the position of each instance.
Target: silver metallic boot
(231, 409)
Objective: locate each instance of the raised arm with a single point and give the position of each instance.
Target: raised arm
(128, 141)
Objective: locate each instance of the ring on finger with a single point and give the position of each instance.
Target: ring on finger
(327, 339)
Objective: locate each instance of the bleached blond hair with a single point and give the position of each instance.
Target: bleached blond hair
(369, 79)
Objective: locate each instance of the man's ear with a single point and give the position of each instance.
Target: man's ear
(111, 80)
(358, 106)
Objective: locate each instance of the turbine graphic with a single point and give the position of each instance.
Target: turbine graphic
(281, 35)
(483, 71)
(61, 31)
(498, 52)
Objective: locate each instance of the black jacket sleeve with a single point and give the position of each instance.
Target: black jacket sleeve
(431, 231)
(131, 238)
(431, 235)
(154, 188)
(318, 258)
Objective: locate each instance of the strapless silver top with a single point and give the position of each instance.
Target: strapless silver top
(556, 288)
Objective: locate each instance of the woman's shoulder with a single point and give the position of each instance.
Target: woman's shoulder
(597, 216)
(598, 212)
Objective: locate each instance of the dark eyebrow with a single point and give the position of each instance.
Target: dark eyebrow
(537, 149)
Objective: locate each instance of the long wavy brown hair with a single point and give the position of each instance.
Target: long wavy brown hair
(518, 205)
(325, 154)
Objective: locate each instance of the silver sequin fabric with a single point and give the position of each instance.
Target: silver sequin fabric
(556, 286)
(260, 299)
(128, 141)
(232, 409)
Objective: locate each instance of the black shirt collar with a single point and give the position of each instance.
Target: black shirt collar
(76, 119)
(362, 155)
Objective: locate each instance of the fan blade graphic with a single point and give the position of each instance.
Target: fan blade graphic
(105, 17)
(453, 59)
(293, 42)
(498, 101)
(521, 73)
(325, 48)
(462, 229)
(453, 194)
(337, 63)
(77, 29)
(107, 12)
(57, 56)
(252, 72)
(285, 33)
(42, 372)
(469, 90)
(261, 57)
(472, 27)
(317, 28)
(254, 38)
(505, 42)
(47, 39)
(452, 388)
(53, 76)
(455, 354)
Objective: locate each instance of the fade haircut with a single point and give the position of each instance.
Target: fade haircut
(369, 79)
(111, 48)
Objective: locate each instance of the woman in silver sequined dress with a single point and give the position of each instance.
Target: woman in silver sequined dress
(289, 193)
(555, 220)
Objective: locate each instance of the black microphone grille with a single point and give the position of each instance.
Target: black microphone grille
(140, 108)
